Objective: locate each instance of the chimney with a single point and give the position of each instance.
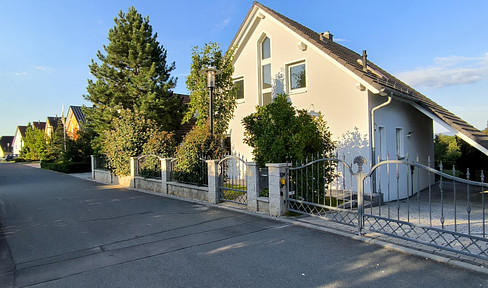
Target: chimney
(365, 61)
(326, 35)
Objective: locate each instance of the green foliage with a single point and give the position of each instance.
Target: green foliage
(446, 150)
(280, 133)
(134, 75)
(71, 167)
(129, 137)
(224, 94)
(452, 150)
(471, 158)
(160, 143)
(34, 143)
(197, 144)
(55, 145)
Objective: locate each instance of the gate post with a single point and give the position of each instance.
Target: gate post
(93, 165)
(277, 181)
(213, 181)
(165, 173)
(252, 179)
(133, 170)
(360, 161)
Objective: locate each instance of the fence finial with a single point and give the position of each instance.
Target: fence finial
(360, 160)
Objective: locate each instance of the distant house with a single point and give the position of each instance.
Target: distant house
(75, 119)
(51, 126)
(6, 146)
(278, 55)
(18, 141)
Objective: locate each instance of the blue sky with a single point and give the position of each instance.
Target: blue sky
(440, 48)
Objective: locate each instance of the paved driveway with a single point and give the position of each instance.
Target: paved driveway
(62, 231)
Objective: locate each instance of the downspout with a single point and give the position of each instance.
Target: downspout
(373, 133)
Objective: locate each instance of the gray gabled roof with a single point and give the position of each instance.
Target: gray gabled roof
(383, 81)
(79, 115)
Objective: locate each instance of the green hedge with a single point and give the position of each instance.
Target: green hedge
(70, 167)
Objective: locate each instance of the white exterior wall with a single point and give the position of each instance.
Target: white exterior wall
(420, 144)
(329, 89)
(17, 142)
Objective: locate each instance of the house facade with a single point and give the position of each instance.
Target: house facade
(18, 141)
(74, 120)
(6, 147)
(278, 55)
(51, 126)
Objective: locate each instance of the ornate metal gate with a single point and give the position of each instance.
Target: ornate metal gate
(323, 188)
(413, 201)
(233, 183)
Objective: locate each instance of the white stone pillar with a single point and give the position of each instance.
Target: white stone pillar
(133, 171)
(252, 179)
(277, 182)
(165, 173)
(93, 165)
(213, 181)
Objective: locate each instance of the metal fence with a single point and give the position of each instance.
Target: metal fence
(322, 187)
(407, 200)
(194, 174)
(101, 162)
(149, 166)
(233, 182)
(438, 209)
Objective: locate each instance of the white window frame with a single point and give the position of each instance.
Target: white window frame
(241, 78)
(382, 142)
(262, 63)
(288, 77)
(400, 143)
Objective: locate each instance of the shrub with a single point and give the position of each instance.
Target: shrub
(197, 144)
(71, 167)
(280, 133)
(132, 133)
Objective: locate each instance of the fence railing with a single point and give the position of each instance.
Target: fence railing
(196, 174)
(399, 198)
(149, 166)
(101, 162)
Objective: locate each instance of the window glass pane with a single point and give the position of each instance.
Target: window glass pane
(240, 88)
(399, 142)
(382, 142)
(267, 76)
(265, 48)
(297, 76)
(266, 98)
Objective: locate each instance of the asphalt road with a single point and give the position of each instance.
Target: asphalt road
(61, 231)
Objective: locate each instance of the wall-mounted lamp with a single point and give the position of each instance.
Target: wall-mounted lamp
(312, 112)
(302, 46)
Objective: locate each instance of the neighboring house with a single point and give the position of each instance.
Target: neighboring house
(51, 126)
(278, 55)
(6, 147)
(18, 141)
(74, 120)
(184, 128)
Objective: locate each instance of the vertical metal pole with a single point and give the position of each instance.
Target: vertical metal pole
(210, 116)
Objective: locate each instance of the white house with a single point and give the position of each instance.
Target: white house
(278, 55)
(18, 141)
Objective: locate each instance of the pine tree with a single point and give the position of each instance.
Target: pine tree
(134, 75)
